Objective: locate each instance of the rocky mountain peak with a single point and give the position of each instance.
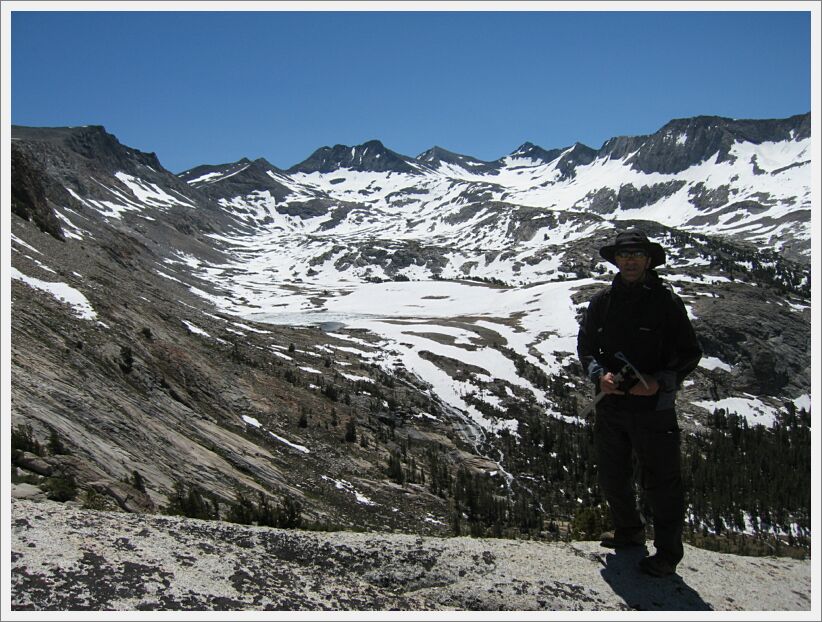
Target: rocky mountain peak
(240, 178)
(437, 155)
(535, 152)
(577, 155)
(93, 143)
(682, 143)
(265, 164)
(755, 131)
(369, 156)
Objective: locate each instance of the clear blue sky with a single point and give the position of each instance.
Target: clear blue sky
(207, 88)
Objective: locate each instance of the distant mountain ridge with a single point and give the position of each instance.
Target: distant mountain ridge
(653, 170)
(692, 140)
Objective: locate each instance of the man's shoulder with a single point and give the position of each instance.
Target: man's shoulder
(660, 284)
(666, 288)
(667, 295)
(601, 294)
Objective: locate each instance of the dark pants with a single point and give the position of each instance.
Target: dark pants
(653, 438)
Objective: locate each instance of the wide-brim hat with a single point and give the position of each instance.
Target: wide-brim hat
(634, 239)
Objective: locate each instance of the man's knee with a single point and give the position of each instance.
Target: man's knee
(616, 482)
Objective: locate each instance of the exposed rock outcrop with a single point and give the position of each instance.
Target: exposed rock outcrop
(28, 196)
(83, 560)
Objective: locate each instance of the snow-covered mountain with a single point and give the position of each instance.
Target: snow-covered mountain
(748, 180)
(432, 297)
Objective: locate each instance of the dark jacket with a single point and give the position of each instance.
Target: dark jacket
(649, 324)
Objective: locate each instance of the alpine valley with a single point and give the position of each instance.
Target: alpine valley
(368, 341)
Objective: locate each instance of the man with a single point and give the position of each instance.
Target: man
(641, 320)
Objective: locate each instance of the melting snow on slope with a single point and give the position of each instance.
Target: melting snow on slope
(341, 484)
(285, 441)
(751, 408)
(256, 423)
(195, 329)
(711, 362)
(61, 291)
(205, 177)
(454, 320)
(148, 193)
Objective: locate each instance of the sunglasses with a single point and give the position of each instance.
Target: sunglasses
(629, 254)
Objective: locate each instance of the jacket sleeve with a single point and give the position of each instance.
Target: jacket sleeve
(588, 349)
(683, 349)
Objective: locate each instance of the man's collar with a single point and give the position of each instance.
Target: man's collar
(649, 279)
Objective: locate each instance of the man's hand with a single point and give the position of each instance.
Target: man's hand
(609, 385)
(640, 389)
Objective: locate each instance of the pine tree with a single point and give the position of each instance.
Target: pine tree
(395, 471)
(137, 481)
(350, 431)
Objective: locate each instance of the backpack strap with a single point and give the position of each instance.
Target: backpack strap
(602, 310)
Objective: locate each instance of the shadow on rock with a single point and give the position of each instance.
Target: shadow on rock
(646, 593)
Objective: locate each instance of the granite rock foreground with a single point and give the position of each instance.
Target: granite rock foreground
(64, 558)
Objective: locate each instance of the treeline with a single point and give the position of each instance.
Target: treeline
(739, 479)
(193, 502)
(751, 478)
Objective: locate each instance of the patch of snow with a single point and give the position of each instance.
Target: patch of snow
(149, 194)
(356, 378)
(61, 291)
(341, 484)
(754, 410)
(195, 329)
(301, 448)
(711, 363)
(251, 421)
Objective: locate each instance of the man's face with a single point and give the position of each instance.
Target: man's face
(632, 263)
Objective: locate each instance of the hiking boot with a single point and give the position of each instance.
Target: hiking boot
(620, 540)
(657, 566)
